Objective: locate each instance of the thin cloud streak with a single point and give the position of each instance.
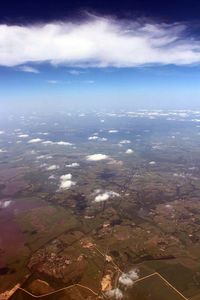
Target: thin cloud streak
(29, 69)
(98, 42)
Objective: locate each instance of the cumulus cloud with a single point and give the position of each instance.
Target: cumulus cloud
(29, 69)
(4, 204)
(23, 136)
(113, 131)
(2, 150)
(127, 279)
(93, 138)
(125, 142)
(129, 151)
(44, 156)
(97, 138)
(115, 294)
(105, 196)
(152, 163)
(66, 177)
(37, 140)
(98, 42)
(97, 157)
(48, 143)
(66, 182)
(52, 167)
(61, 143)
(73, 165)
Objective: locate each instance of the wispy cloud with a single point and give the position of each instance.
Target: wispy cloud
(36, 140)
(98, 42)
(53, 81)
(28, 69)
(88, 81)
(76, 72)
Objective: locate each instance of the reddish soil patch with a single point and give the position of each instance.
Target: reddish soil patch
(11, 238)
(14, 187)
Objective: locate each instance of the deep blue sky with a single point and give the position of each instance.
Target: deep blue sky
(155, 86)
(16, 11)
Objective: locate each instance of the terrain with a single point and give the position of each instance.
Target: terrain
(100, 205)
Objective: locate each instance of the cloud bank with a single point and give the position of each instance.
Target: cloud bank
(98, 42)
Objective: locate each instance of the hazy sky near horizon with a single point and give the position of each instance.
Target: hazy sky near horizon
(93, 54)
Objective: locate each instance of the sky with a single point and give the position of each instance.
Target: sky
(101, 54)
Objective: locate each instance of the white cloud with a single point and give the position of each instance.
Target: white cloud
(43, 133)
(28, 69)
(97, 157)
(113, 131)
(64, 143)
(65, 185)
(129, 151)
(52, 167)
(3, 151)
(4, 204)
(98, 42)
(73, 165)
(75, 72)
(53, 81)
(66, 182)
(133, 274)
(40, 156)
(93, 138)
(97, 138)
(37, 140)
(152, 163)
(2, 132)
(66, 177)
(115, 294)
(61, 143)
(43, 165)
(48, 143)
(127, 279)
(125, 142)
(105, 196)
(23, 136)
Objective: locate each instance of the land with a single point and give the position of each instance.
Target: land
(63, 244)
